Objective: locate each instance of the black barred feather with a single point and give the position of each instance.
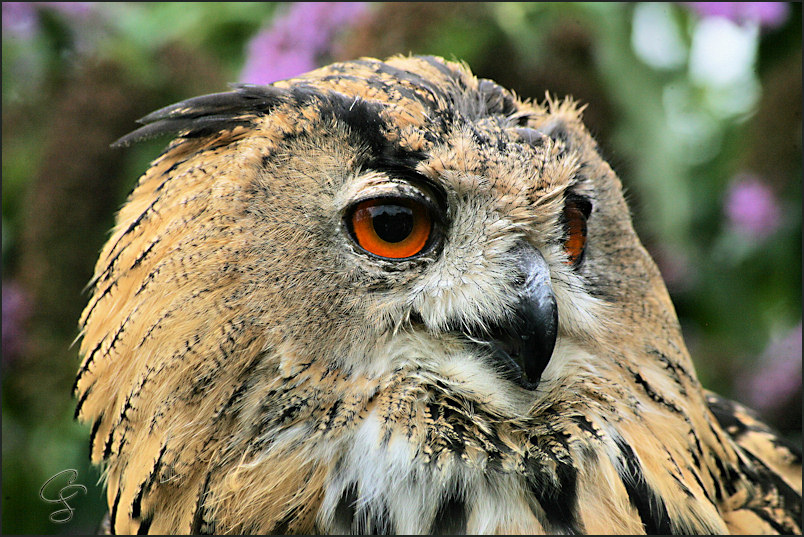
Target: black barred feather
(206, 115)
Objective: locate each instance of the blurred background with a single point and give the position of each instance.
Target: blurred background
(696, 105)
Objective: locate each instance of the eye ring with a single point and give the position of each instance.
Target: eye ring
(391, 228)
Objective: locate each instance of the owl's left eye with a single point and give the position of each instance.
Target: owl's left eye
(394, 228)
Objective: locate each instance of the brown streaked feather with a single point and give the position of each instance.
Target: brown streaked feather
(248, 369)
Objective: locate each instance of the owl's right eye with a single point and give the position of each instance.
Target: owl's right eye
(393, 228)
(576, 212)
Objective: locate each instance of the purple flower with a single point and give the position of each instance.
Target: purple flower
(777, 377)
(296, 39)
(16, 310)
(751, 208)
(21, 19)
(767, 14)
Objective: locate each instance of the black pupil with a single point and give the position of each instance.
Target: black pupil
(392, 223)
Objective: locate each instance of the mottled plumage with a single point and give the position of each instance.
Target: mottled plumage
(249, 366)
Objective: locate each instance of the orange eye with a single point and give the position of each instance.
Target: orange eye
(392, 228)
(576, 211)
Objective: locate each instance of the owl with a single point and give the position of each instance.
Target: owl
(391, 297)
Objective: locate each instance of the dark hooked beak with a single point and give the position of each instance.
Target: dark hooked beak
(524, 344)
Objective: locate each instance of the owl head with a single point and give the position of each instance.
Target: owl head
(377, 275)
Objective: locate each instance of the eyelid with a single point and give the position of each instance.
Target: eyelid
(414, 177)
(394, 189)
(583, 203)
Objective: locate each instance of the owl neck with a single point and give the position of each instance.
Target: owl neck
(408, 455)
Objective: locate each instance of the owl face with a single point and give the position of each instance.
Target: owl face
(428, 249)
(471, 234)
(384, 296)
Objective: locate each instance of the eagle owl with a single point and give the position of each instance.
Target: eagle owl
(391, 297)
